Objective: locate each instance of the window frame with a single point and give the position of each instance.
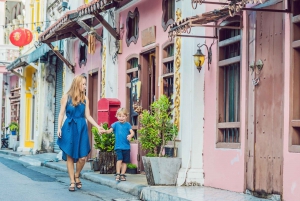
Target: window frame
(167, 59)
(166, 24)
(294, 133)
(131, 17)
(220, 126)
(128, 84)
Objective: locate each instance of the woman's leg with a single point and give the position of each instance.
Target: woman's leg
(79, 165)
(70, 167)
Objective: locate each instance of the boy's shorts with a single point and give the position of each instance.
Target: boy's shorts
(123, 155)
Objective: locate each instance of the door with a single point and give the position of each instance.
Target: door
(265, 103)
(58, 96)
(93, 103)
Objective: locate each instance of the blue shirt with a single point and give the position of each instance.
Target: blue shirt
(121, 130)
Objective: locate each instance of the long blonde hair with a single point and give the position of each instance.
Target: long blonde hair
(74, 92)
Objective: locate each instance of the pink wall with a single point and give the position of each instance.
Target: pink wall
(150, 15)
(93, 60)
(291, 162)
(13, 81)
(223, 168)
(2, 69)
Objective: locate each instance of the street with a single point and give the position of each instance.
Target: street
(41, 183)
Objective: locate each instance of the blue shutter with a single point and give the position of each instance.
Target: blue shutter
(58, 96)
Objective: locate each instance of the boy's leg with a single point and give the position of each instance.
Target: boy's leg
(119, 163)
(126, 159)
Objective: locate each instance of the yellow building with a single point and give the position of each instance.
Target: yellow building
(28, 72)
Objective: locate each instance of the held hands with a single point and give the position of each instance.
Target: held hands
(101, 129)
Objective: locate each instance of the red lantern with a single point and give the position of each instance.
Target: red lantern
(20, 37)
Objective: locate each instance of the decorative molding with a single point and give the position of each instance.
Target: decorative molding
(103, 71)
(130, 17)
(165, 24)
(177, 74)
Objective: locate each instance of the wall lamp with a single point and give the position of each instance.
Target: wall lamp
(199, 57)
(5, 86)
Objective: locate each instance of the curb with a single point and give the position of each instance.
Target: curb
(11, 153)
(127, 187)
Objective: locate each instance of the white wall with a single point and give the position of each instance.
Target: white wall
(2, 21)
(191, 104)
(111, 75)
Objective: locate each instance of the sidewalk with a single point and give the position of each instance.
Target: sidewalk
(135, 184)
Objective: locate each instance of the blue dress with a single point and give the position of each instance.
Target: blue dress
(74, 139)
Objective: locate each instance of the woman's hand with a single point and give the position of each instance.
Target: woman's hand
(59, 133)
(101, 129)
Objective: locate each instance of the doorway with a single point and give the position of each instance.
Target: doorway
(93, 106)
(264, 152)
(149, 87)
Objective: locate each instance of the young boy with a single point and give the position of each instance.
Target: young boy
(123, 134)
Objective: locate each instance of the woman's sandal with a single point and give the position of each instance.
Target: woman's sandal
(117, 176)
(122, 177)
(78, 184)
(72, 188)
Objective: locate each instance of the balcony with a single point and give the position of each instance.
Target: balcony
(8, 53)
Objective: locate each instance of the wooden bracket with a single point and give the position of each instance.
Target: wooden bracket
(83, 39)
(17, 74)
(111, 30)
(61, 57)
(88, 29)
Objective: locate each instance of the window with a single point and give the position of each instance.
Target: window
(294, 141)
(132, 90)
(228, 132)
(168, 70)
(168, 17)
(132, 24)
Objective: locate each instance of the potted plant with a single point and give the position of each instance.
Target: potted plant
(14, 127)
(156, 130)
(131, 168)
(94, 163)
(106, 157)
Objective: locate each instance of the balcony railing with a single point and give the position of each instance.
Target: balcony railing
(8, 53)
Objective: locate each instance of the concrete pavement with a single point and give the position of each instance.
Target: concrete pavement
(136, 184)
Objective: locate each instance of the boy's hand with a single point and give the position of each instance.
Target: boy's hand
(129, 137)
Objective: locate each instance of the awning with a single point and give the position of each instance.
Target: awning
(76, 22)
(185, 25)
(230, 8)
(19, 62)
(39, 53)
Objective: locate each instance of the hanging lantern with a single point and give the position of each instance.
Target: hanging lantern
(20, 37)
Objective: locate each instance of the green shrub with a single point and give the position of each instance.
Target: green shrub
(131, 166)
(157, 127)
(104, 142)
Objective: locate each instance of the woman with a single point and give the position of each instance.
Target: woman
(73, 137)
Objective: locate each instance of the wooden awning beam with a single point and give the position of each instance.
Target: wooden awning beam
(61, 57)
(78, 35)
(17, 74)
(56, 38)
(88, 29)
(107, 26)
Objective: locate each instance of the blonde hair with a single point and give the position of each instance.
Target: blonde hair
(74, 92)
(122, 111)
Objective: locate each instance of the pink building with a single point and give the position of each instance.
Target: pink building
(146, 58)
(251, 130)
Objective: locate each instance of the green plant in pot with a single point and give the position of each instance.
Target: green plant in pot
(105, 143)
(156, 130)
(14, 128)
(131, 168)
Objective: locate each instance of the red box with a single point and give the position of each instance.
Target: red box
(107, 110)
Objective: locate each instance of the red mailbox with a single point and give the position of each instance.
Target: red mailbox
(107, 110)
